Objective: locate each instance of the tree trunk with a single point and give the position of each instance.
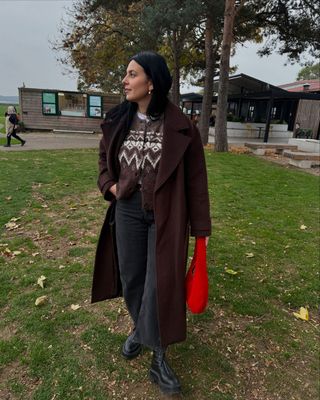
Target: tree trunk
(221, 139)
(208, 82)
(176, 70)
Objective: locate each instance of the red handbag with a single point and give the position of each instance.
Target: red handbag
(197, 286)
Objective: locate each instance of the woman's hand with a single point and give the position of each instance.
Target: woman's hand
(113, 189)
(207, 240)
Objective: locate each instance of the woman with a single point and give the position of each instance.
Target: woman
(12, 122)
(152, 169)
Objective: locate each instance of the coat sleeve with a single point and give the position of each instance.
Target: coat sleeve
(104, 180)
(197, 187)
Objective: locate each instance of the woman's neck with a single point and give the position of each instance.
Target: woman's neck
(143, 106)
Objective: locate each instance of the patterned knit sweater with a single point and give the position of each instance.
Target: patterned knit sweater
(139, 158)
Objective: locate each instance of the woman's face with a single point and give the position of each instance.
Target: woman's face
(136, 83)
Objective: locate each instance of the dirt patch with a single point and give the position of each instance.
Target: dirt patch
(258, 360)
(17, 373)
(8, 332)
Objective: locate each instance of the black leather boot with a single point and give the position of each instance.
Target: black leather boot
(130, 348)
(162, 374)
(8, 142)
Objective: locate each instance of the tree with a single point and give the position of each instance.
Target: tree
(290, 27)
(171, 24)
(213, 23)
(221, 140)
(311, 71)
(98, 41)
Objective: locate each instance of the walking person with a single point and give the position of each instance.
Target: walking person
(12, 122)
(152, 170)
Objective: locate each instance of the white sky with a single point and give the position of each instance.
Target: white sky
(25, 54)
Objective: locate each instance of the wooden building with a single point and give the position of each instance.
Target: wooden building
(46, 109)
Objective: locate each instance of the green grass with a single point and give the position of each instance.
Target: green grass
(247, 345)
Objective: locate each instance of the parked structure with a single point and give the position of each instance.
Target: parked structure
(46, 109)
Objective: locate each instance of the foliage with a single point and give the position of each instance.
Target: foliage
(311, 71)
(291, 27)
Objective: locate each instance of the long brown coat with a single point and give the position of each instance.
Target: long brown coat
(181, 202)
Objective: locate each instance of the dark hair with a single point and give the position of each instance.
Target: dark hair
(156, 69)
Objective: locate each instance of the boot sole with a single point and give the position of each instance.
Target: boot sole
(130, 356)
(164, 389)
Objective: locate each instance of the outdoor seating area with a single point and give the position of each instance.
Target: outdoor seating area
(302, 159)
(259, 149)
(298, 158)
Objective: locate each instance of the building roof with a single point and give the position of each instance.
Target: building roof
(246, 84)
(307, 86)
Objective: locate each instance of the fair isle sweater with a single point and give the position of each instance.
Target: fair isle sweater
(139, 158)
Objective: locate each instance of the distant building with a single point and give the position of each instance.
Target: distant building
(305, 86)
(46, 109)
(260, 104)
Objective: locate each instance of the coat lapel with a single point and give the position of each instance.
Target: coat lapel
(175, 142)
(112, 133)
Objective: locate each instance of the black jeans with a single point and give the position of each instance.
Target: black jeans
(13, 134)
(136, 237)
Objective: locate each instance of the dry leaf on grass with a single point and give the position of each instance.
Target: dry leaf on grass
(75, 307)
(302, 314)
(41, 281)
(41, 300)
(249, 255)
(11, 226)
(231, 271)
(303, 227)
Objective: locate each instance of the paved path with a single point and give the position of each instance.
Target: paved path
(58, 141)
(55, 141)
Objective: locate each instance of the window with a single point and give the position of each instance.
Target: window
(273, 112)
(95, 106)
(72, 104)
(49, 103)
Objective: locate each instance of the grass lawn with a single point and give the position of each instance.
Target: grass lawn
(248, 345)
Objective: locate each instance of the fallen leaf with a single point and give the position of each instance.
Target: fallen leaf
(249, 255)
(302, 314)
(9, 198)
(3, 244)
(303, 227)
(41, 300)
(11, 226)
(16, 252)
(231, 271)
(35, 254)
(41, 281)
(75, 307)
(61, 266)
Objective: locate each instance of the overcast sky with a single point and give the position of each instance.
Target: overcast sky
(26, 56)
